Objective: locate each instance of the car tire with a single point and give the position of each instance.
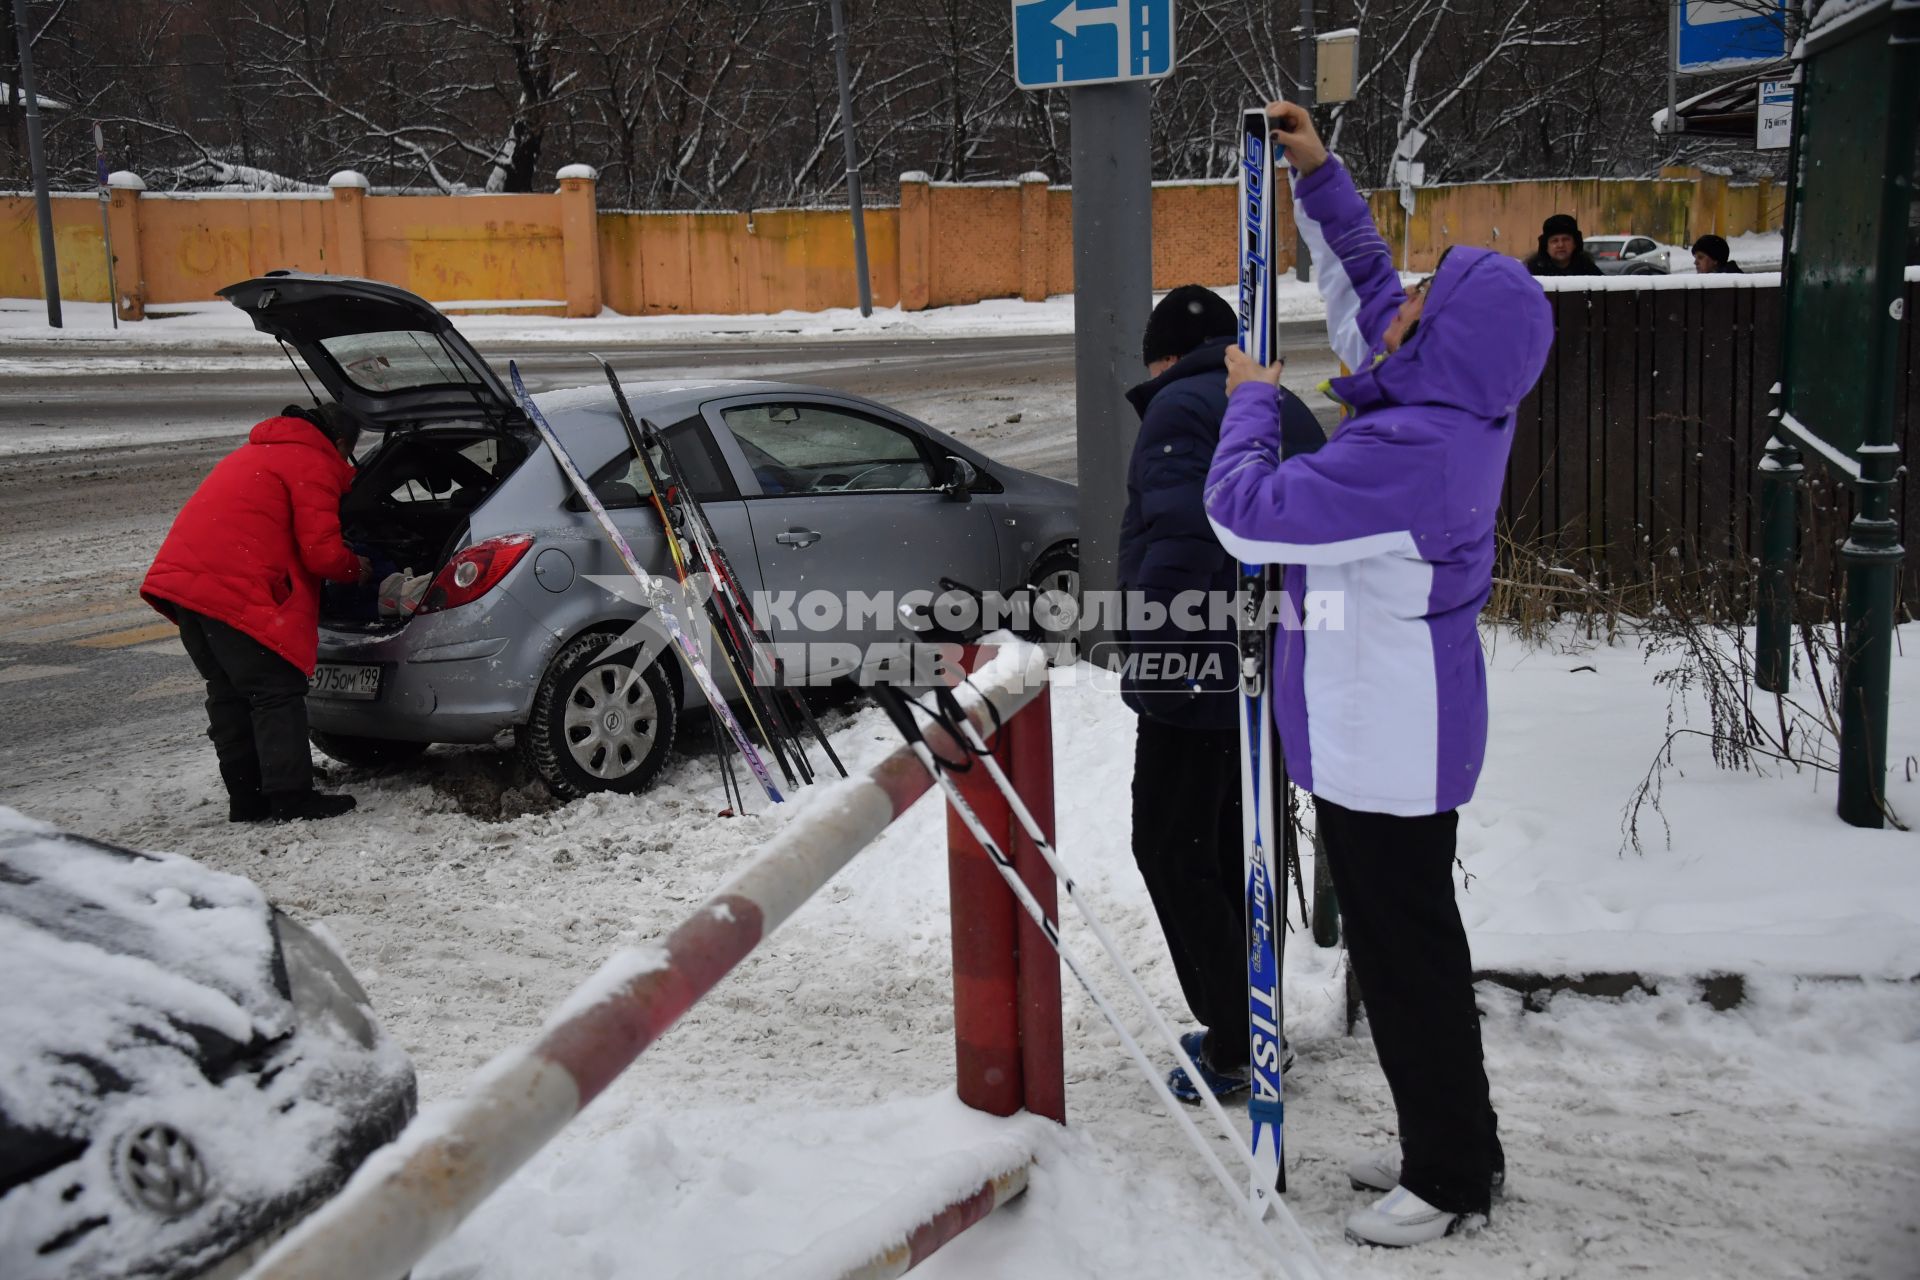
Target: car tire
(1056, 571)
(1643, 269)
(569, 739)
(366, 753)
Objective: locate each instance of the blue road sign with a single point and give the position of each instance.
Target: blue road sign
(1057, 43)
(1718, 35)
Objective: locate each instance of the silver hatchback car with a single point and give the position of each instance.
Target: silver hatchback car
(823, 502)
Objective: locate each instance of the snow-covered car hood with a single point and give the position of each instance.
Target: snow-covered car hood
(181, 1069)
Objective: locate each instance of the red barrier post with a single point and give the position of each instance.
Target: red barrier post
(1026, 753)
(986, 964)
(1006, 975)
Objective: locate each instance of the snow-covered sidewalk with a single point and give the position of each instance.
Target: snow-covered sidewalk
(1651, 1134)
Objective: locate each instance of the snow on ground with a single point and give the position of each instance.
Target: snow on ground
(202, 325)
(1647, 1135)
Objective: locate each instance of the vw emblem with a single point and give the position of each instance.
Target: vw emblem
(162, 1172)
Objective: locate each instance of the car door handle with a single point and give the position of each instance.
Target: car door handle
(797, 538)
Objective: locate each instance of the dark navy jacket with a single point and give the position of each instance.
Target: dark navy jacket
(1167, 547)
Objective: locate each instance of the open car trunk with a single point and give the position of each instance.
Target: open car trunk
(450, 431)
(409, 508)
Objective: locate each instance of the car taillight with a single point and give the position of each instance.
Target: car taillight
(475, 571)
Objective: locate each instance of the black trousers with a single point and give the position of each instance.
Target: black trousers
(256, 707)
(1187, 843)
(1409, 953)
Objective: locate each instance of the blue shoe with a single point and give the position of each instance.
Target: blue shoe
(1224, 1084)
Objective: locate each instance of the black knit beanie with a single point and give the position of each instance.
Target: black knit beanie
(1714, 247)
(1184, 319)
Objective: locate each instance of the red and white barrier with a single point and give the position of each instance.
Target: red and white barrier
(410, 1195)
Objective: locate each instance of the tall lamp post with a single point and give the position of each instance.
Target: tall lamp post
(37, 159)
(853, 157)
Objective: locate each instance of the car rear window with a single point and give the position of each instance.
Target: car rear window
(397, 360)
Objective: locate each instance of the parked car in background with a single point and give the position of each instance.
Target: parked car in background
(811, 492)
(185, 1072)
(1633, 255)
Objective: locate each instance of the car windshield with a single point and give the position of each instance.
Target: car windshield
(1605, 247)
(397, 360)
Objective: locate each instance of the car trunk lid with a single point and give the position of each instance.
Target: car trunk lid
(383, 352)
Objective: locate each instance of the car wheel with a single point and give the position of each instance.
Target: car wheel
(1055, 583)
(1643, 269)
(596, 725)
(367, 753)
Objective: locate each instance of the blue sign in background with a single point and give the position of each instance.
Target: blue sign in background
(1067, 42)
(1730, 33)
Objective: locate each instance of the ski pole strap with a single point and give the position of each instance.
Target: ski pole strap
(951, 717)
(900, 708)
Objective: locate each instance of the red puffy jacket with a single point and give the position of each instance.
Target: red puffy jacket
(254, 540)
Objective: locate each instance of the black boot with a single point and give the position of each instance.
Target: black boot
(308, 806)
(245, 801)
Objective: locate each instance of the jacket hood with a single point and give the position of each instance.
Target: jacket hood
(1205, 358)
(1482, 341)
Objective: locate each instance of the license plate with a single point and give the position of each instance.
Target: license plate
(344, 680)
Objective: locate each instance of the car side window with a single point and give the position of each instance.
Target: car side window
(812, 448)
(623, 482)
(1637, 247)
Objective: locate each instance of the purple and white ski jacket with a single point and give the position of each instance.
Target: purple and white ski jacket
(1383, 707)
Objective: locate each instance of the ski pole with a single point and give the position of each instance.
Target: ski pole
(951, 718)
(896, 705)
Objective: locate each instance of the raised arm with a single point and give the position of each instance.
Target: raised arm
(1351, 262)
(1361, 495)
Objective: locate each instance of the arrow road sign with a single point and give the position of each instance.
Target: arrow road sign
(1057, 43)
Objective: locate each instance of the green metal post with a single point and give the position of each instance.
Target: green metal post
(1780, 475)
(1872, 555)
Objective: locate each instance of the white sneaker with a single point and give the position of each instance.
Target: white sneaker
(1380, 1171)
(1401, 1218)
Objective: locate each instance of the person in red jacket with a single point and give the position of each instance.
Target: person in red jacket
(239, 573)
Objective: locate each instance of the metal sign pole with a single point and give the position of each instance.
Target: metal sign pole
(1112, 296)
(1309, 92)
(853, 160)
(37, 160)
(106, 220)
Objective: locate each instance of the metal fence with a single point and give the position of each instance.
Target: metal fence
(1636, 453)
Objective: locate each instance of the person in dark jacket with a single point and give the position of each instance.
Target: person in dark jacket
(239, 573)
(1712, 254)
(1563, 250)
(1182, 675)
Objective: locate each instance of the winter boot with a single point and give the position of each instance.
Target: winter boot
(1224, 1084)
(245, 801)
(1401, 1218)
(1380, 1171)
(308, 806)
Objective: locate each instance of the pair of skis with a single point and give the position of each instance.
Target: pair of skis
(778, 710)
(969, 747)
(1263, 776)
(667, 599)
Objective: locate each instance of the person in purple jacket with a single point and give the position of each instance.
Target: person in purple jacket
(1381, 698)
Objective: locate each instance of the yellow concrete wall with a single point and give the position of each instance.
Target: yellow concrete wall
(945, 244)
(728, 264)
(191, 248)
(76, 242)
(462, 248)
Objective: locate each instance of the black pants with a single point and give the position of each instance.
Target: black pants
(256, 707)
(1409, 952)
(1187, 843)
